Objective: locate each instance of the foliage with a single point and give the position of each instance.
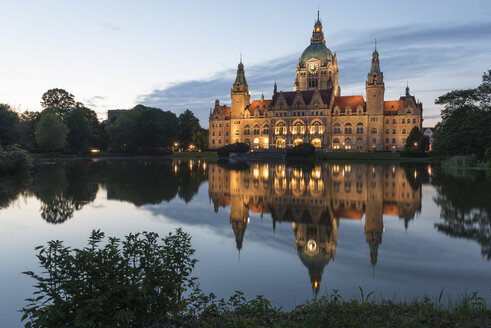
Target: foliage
(333, 311)
(304, 150)
(417, 144)
(238, 147)
(189, 128)
(9, 125)
(465, 128)
(126, 283)
(28, 121)
(14, 160)
(51, 132)
(83, 129)
(58, 99)
(143, 128)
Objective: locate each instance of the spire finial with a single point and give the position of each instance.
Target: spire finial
(375, 44)
(241, 57)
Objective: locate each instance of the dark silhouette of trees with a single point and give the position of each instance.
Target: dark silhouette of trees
(9, 126)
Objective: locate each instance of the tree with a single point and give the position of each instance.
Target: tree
(143, 128)
(58, 99)
(9, 126)
(466, 121)
(413, 139)
(83, 129)
(51, 132)
(189, 128)
(28, 121)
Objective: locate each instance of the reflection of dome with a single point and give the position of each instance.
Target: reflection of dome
(318, 51)
(315, 264)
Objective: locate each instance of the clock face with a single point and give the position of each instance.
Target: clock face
(312, 68)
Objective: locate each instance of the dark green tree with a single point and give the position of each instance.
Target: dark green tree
(9, 126)
(189, 128)
(466, 121)
(59, 99)
(83, 129)
(51, 132)
(28, 121)
(413, 139)
(143, 128)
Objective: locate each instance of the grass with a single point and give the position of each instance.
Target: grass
(332, 311)
(207, 154)
(373, 157)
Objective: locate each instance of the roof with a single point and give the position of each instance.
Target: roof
(306, 95)
(227, 111)
(352, 101)
(392, 105)
(259, 105)
(318, 51)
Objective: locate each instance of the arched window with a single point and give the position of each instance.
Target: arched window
(387, 121)
(393, 121)
(403, 131)
(393, 140)
(219, 133)
(298, 128)
(386, 131)
(266, 129)
(337, 128)
(348, 129)
(393, 131)
(316, 128)
(403, 121)
(414, 120)
(213, 133)
(374, 131)
(359, 128)
(247, 130)
(256, 129)
(236, 132)
(280, 128)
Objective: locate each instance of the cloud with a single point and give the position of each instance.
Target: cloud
(411, 53)
(111, 27)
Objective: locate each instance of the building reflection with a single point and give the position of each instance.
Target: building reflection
(314, 200)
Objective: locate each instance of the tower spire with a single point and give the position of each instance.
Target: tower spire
(241, 57)
(375, 45)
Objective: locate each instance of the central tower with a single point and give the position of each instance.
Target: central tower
(317, 67)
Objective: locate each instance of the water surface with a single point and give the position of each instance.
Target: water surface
(289, 232)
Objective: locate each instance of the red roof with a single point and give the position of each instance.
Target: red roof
(392, 105)
(259, 105)
(352, 101)
(227, 111)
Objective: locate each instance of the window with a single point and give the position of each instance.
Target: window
(213, 133)
(359, 128)
(414, 120)
(387, 121)
(226, 133)
(374, 131)
(219, 133)
(219, 141)
(213, 141)
(247, 130)
(393, 140)
(256, 129)
(337, 128)
(266, 129)
(386, 140)
(403, 121)
(403, 131)
(347, 128)
(236, 132)
(313, 82)
(386, 131)
(393, 131)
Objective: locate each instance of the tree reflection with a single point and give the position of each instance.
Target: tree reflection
(67, 187)
(465, 207)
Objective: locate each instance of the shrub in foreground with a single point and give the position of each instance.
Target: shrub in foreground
(132, 282)
(238, 147)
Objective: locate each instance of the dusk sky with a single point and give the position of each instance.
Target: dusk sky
(184, 54)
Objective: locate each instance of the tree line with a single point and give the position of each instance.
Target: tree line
(69, 126)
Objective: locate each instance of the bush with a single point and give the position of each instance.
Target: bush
(14, 160)
(304, 150)
(238, 147)
(130, 283)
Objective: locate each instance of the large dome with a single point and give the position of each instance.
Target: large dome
(318, 51)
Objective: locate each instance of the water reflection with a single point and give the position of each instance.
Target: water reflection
(314, 199)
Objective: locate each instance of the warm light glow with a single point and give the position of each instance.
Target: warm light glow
(415, 144)
(429, 170)
(255, 172)
(316, 284)
(317, 29)
(311, 245)
(95, 150)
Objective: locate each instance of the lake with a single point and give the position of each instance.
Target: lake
(289, 232)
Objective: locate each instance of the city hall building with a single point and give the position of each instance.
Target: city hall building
(315, 112)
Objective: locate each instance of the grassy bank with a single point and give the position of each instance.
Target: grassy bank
(333, 311)
(373, 157)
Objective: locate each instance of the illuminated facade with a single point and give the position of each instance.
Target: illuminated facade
(315, 201)
(315, 112)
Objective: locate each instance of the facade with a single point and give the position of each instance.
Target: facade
(315, 201)
(315, 111)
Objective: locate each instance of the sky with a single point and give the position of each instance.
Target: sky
(183, 54)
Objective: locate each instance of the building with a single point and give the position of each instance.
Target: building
(315, 201)
(429, 133)
(315, 111)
